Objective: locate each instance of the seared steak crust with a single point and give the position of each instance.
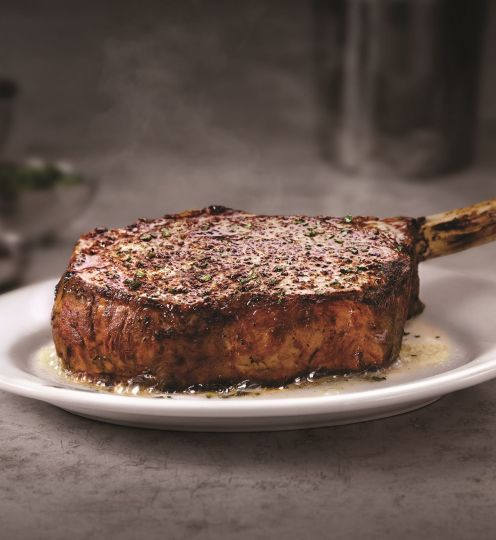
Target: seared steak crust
(217, 296)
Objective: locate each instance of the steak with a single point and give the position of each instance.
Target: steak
(219, 296)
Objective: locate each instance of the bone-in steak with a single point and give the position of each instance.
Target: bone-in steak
(217, 296)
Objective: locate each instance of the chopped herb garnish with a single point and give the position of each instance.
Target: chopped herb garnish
(398, 248)
(248, 225)
(361, 268)
(278, 269)
(312, 233)
(248, 278)
(377, 379)
(354, 251)
(205, 277)
(346, 271)
(140, 273)
(165, 232)
(338, 241)
(348, 219)
(133, 283)
(146, 237)
(299, 221)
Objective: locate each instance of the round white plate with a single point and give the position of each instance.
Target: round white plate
(460, 310)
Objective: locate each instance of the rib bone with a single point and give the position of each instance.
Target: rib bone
(456, 230)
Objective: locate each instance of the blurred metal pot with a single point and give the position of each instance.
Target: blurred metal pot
(398, 83)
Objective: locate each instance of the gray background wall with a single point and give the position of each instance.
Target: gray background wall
(181, 104)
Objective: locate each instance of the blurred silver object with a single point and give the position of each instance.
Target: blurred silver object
(12, 260)
(35, 204)
(37, 199)
(398, 83)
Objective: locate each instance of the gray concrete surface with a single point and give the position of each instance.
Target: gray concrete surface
(146, 97)
(427, 474)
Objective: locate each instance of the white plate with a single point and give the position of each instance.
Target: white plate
(460, 309)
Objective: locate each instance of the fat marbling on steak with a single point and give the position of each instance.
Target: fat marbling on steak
(218, 296)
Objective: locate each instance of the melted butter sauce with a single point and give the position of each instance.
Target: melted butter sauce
(425, 351)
